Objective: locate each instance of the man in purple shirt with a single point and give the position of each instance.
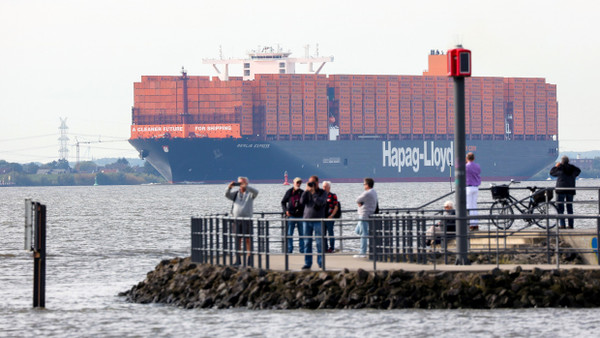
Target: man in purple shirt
(473, 172)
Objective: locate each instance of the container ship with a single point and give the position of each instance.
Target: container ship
(273, 121)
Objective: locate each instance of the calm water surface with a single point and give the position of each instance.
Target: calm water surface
(103, 240)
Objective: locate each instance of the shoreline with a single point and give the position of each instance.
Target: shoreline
(179, 282)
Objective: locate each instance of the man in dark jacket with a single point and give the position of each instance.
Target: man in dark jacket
(294, 209)
(314, 200)
(566, 174)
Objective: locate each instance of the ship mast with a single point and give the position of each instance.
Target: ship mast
(184, 78)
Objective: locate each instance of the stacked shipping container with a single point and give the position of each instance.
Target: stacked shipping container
(293, 106)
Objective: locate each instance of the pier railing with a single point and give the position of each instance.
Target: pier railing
(406, 236)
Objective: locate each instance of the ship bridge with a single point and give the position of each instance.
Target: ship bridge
(268, 60)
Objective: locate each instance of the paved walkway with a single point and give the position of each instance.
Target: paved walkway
(339, 262)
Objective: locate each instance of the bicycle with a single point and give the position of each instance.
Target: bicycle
(539, 203)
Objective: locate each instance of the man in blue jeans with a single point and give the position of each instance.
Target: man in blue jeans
(293, 209)
(332, 212)
(367, 203)
(314, 200)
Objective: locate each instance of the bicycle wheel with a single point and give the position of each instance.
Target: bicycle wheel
(545, 208)
(501, 208)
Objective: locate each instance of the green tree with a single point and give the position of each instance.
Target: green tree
(121, 165)
(9, 167)
(63, 164)
(30, 168)
(122, 161)
(87, 167)
(49, 165)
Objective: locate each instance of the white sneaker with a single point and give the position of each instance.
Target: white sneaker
(359, 256)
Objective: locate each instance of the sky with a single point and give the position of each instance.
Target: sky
(79, 59)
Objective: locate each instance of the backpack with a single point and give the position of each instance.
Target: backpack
(294, 202)
(338, 214)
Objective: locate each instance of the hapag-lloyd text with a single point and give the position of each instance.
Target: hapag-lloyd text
(429, 155)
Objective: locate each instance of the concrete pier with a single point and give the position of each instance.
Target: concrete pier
(338, 262)
(578, 240)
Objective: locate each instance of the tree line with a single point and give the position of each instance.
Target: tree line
(61, 173)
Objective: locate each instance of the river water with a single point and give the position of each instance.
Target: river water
(102, 240)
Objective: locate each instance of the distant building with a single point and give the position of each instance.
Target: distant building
(52, 171)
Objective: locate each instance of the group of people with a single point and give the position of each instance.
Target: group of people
(565, 174)
(304, 210)
(314, 204)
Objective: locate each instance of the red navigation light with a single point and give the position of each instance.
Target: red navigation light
(459, 62)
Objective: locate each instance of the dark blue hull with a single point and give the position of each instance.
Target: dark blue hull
(222, 160)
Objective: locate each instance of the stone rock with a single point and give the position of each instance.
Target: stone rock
(179, 282)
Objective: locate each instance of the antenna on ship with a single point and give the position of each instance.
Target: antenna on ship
(285, 178)
(307, 56)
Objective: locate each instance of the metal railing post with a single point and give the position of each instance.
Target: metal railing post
(395, 234)
(211, 240)
(322, 239)
(498, 246)
(284, 229)
(255, 249)
(267, 251)
(218, 224)
(409, 240)
(286, 257)
(203, 240)
(374, 247)
(230, 241)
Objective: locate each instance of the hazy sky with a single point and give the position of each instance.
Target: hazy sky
(79, 59)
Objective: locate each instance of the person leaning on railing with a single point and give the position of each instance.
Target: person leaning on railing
(243, 205)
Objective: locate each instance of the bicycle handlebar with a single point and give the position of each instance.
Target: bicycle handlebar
(509, 183)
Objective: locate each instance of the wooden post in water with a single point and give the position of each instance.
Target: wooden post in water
(39, 255)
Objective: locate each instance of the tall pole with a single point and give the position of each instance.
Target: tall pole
(459, 171)
(459, 67)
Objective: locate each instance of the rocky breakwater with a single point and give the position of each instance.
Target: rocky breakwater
(182, 283)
